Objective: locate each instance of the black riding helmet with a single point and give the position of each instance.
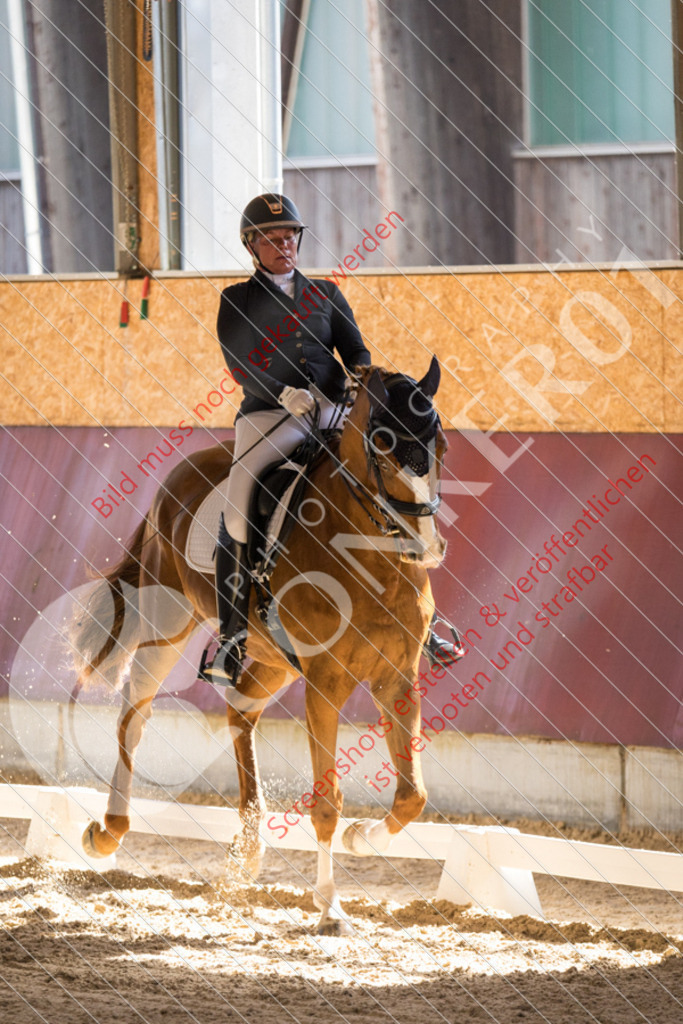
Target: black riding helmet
(269, 211)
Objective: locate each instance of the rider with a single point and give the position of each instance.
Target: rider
(278, 332)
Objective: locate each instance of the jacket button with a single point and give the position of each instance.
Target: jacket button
(298, 334)
(302, 360)
(299, 344)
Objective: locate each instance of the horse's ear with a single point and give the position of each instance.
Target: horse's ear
(377, 393)
(429, 384)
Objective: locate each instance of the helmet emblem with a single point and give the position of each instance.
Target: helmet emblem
(275, 206)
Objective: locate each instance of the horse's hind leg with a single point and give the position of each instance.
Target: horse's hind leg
(152, 662)
(245, 702)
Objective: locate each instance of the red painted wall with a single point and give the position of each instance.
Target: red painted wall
(598, 661)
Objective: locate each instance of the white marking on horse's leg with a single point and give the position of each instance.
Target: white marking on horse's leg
(324, 885)
(367, 837)
(333, 920)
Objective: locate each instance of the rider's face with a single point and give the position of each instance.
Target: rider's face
(276, 248)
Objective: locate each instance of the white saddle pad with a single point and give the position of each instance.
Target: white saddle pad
(203, 532)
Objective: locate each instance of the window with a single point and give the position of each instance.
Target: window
(9, 147)
(599, 71)
(333, 115)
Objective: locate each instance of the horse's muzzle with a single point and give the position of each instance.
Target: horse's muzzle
(428, 556)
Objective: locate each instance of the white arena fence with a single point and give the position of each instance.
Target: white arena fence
(490, 866)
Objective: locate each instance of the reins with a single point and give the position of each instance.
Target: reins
(210, 486)
(386, 506)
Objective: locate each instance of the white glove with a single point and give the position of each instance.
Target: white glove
(297, 401)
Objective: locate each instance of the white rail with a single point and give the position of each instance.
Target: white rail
(490, 866)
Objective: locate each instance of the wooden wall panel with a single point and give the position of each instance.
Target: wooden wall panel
(601, 348)
(12, 247)
(336, 203)
(448, 111)
(588, 207)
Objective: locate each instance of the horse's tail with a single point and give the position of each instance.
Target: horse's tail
(105, 629)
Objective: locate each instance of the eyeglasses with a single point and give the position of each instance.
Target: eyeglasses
(278, 237)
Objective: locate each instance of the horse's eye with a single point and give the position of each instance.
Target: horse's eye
(383, 438)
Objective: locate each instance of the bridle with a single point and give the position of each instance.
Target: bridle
(383, 504)
(400, 433)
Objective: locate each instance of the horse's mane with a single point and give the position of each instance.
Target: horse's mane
(363, 373)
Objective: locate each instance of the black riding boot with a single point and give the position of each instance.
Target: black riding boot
(439, 651)
(233, 586)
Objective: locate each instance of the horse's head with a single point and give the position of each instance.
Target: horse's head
(394, 445)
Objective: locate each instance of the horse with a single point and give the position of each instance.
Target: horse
(347, 619)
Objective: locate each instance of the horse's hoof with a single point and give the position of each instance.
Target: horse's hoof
(97, 842)
(337, 926)
(102, 842)
(367, 837)
(354, 841)
(245, 855)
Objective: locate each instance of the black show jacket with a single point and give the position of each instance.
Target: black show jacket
(270, 341)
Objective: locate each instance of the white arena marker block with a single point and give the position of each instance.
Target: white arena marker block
(470, 876)
(57, 825)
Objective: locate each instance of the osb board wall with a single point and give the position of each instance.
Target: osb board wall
(524, 351)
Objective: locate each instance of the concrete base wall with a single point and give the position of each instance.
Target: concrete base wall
(505, 776)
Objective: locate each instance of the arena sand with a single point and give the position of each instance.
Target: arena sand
(171, 936)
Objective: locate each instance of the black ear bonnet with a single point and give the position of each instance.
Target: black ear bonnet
(405, 424)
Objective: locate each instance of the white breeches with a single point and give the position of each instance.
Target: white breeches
(249, 464)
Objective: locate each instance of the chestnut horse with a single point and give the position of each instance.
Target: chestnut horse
(381, 483)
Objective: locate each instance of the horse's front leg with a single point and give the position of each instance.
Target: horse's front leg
(369, 836)
(245, 703)
(322, 718)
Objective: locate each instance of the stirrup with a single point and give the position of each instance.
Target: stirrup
(225, 668)
(442, 652)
